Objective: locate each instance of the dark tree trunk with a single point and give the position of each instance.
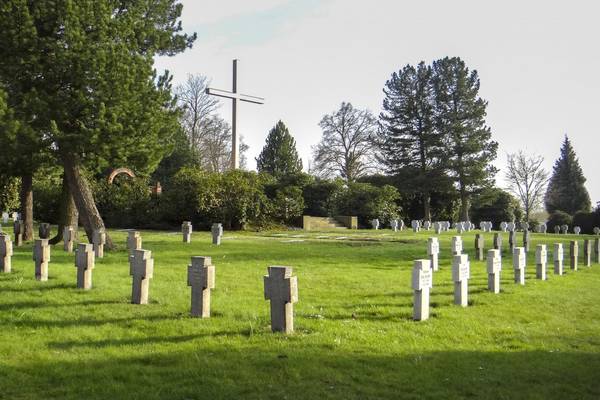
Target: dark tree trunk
(84, 198)
(426, 206)
(26, 197)
(68, 212)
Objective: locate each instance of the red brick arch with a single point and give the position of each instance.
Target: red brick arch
(119, 171)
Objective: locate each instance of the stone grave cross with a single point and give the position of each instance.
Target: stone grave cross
(68, 238)
(84, 262)
(281, 288)
(143, 270)
(98, 242)
(541, 260)
(41, 256)
(461, 272)
(201, 278)
(558, 258)
(519, 263)
(217, 233)
(186, 231)
(6, 252)
(494, 268)
(422, 282)
(433, 251)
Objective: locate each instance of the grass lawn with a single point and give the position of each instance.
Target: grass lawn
(354, 338)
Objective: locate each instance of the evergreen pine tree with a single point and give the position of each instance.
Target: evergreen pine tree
(411, 147)
(279, 156)
(566, 190)
(460, 118)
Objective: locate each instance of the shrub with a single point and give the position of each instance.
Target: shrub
(495, 205)
(559, 218)
(321, 197)
(9, 193)
(586, 221)
(368, 202)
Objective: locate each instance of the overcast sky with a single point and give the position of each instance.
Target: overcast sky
(538, 61)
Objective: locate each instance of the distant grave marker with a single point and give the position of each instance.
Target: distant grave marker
(519, 264)
(6, 252)
(558, 258)
(457, 245)
(217, 234)
(494, 268)
(186, 231)
(18, 228)
(587, 253)
(98, 242)
(541, 260)
(574, 254)
(479, 245)
(68, 238)
(433, 251)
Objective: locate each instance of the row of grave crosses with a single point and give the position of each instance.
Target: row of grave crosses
(422, 275)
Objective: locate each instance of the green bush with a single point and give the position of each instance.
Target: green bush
(495, 205)
(587, 221)
(321, 197)
(559, 218)
(368, 202)
(9, 193)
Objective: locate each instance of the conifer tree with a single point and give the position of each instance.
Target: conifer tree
(460, 119)
(82, 73)
(411, 147)
(566, 190)
(279, 156)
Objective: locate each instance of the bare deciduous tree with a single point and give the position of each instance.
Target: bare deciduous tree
(347, 146)
(527, 180)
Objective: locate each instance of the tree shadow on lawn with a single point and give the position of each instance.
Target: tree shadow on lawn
(295, 371)
(46, 304)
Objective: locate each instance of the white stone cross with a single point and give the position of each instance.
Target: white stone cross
(143, 270)
(41, 256)
(6, 252)
(98, 241)
(597, 250)
(217, 233)
(186, 230)
(422, 282)
(201, 278)
(134, 242)
(503, 226)
(84, 262)
(68, 238)
(281, 288)
(427, 225)
(375, 224)
(494, 268)
(558, 258)
(577, 230)
(394, 225)
(235, 98)
(461, 272)
(416, 225)
(519, 264)
(541, 260)
(574, 254)
(433, 251)
(457, 245)
(587, 253)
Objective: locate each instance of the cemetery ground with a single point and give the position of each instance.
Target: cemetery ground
(354, 335)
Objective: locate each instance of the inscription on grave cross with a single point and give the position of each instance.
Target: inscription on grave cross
(281, 288)
(84, 262)
(201, 278)
(41, 256)
(6, 252)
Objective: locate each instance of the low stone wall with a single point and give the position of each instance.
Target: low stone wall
(323, 223)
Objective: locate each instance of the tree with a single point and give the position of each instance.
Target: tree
(460, 119)
(82, 73)
(527, 180)
(279, 156)
(198, 107)
(566, 189)
(409, 143)
(346, 148)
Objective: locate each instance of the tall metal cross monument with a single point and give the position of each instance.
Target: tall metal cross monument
(235, 97)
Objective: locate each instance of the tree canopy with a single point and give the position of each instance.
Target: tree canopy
(279, 156)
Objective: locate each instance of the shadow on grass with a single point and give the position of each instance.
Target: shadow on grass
(307, 373)
(46, 304)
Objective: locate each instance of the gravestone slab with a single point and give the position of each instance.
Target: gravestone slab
(457, 245)
(201, 278)
(564, 229)
(497, 243)
(574, 254)
(217, 233)
(494, 268)
(98, 242)
(557, 229)
(587, 253)
(433, 251)
(519, 264)
(461, 272)
(18, 229)
(281, 288)
(437, 226)
(84, 262)
(41, 257)
(44, 231)
(186, 231)
(143, 270)
(504, 226)
(541, 261)
(543, 228)
(6, 252)
(558, 258)
(68, 238)
(422, 283)
(394, 225)
(479, 245)
(577, 230)
(416, 226)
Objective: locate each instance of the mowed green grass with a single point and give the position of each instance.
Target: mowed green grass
(354, 339)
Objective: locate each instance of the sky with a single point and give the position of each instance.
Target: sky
(538, 62)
